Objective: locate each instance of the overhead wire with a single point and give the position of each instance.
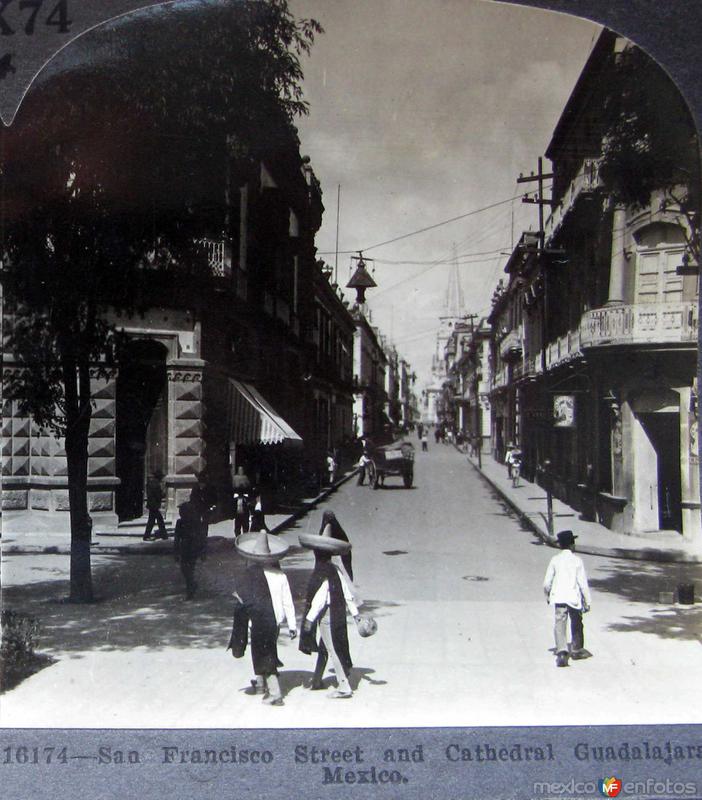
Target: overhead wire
(424, 229)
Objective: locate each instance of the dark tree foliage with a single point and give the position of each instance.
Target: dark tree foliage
(650, 141)
(117, 153)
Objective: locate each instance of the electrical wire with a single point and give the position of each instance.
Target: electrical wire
(425, 229)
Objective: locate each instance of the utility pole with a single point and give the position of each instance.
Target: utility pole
(539, 200)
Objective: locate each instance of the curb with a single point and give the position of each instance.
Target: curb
(140, 548)
(645, 554)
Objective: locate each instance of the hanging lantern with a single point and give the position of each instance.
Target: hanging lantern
(360, 281)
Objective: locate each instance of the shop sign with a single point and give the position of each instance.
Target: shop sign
(564, 411)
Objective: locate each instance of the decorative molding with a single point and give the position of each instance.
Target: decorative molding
(182, 376)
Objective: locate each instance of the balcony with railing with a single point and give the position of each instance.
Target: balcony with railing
(564, 349)
(644, 323)
(585, 182)
(511, 346)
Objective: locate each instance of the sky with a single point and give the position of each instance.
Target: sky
(422, 111)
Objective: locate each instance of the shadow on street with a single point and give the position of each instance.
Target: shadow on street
(642, 582)
(140, 604)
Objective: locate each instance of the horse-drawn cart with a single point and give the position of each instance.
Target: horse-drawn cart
(391, 459)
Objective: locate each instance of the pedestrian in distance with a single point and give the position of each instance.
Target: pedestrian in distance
(512, 455)
(566, 588)
(190, 541)
(241, 486)
(262, 602)
(328, 598)
(362, 465)
(257, 520)
(425, 442)
(154, 498)
(331, 468)
(240, 482)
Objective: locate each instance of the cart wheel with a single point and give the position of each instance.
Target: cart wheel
(407, 478)
(372, 475)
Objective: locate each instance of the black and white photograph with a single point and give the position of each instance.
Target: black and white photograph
(349, 371)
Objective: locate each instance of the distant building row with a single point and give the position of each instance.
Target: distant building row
(588, 358)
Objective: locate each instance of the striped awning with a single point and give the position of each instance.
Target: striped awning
(252, 420)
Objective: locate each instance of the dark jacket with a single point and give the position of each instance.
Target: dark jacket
(254, 604)
(154, 494)
(190, 540)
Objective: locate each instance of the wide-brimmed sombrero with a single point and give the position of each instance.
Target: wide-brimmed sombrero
(262, 547)
(325, 542)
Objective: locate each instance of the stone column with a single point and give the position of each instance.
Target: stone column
(185, 430)
(102, 465)
(618, 263)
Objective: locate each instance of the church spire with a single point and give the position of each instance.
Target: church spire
(454, 305)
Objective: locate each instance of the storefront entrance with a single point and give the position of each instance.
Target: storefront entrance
(142, 423)
(663, 431)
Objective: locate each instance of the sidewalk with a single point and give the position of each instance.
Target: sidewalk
(25, 536)
(529, 501)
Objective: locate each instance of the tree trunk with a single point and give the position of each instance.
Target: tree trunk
(78, 413)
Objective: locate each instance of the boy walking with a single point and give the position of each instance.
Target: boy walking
(566, 587)
(264, 601)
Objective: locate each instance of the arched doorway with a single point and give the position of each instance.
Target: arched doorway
(142, 423)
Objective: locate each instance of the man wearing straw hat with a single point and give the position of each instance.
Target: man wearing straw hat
(263, 599)
(328, 597)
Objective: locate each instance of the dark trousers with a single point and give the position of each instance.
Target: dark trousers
(187, 567)
(361, 476)
(155, 518)
(577, 635)
(241, 524)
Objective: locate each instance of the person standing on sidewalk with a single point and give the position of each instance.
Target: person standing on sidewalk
(241, 486)
(190, 541)
(331, 468)
(566, 587)
(257, 520)
(328, 597)
(154, 498)
(264, 600)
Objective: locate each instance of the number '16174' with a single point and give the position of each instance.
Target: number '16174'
(34, 755)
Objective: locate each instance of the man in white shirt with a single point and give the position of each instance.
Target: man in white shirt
(566, 587)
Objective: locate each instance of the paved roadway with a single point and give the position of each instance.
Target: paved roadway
(464, 633)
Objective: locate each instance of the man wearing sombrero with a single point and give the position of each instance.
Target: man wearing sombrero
(264, 599)
(566, 587)
(328, 597)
